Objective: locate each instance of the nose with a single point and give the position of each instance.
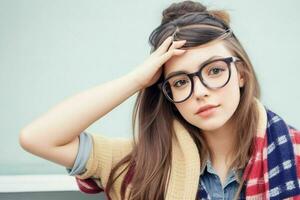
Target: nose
(199, 89)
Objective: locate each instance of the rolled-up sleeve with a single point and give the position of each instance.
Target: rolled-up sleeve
(85, 146)
(103, 154)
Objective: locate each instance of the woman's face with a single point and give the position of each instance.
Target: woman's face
(227, 98)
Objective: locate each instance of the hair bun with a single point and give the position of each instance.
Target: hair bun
(221, 14)
(176, 10)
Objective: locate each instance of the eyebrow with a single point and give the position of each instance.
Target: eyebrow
(180, 71)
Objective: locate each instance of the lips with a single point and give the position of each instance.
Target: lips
(206, 107)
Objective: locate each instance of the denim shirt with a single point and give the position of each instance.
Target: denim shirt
(210, 180)
(208, 176)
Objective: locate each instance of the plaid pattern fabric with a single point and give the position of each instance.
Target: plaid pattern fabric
(273, 171)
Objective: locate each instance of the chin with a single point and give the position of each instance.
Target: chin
(210, 124)
(210, 127)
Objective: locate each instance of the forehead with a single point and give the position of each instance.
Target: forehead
(195, 56)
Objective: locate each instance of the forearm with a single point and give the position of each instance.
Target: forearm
(66, 120)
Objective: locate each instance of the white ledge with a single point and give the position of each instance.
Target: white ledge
(37, 183)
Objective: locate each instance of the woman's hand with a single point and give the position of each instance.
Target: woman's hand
(150, 70)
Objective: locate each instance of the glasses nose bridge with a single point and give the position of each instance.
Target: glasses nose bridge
(197, 74)
(198, 89)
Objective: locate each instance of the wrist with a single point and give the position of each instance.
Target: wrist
(136, 79)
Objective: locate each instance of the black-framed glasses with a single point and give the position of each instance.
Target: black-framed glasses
(213, 74)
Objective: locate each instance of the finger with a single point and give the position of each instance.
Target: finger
(178, 52)
(177, 44)
(174, 45)
(164, 46)
(171, 53)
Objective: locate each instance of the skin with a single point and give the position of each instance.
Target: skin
(216, 128)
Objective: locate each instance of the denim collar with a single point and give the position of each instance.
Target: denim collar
(207, 165)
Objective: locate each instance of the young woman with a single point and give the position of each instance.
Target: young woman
(202, 131)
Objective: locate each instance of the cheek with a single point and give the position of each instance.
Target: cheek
(231, 89)
(229, 95)
(185, 110)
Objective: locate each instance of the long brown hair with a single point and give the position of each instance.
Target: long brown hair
(150, 159)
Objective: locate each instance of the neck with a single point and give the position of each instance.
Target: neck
(221, 144)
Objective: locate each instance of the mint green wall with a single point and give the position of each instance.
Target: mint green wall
(50, 50)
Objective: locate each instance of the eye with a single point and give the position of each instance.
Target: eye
(216, 70)
(179, 83)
